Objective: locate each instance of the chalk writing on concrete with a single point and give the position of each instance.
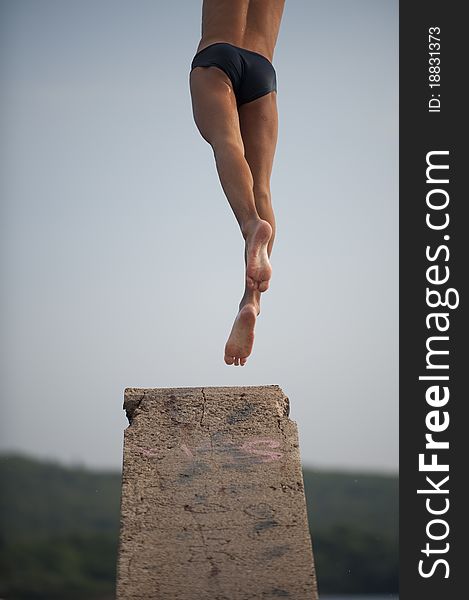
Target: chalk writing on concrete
(148, 452)
(251, 451)
(257, 446)
(187, 451)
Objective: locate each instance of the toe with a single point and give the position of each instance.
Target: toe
(228, 360)
(236, 362)
(242, 362)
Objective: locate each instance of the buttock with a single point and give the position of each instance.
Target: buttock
(252, 75)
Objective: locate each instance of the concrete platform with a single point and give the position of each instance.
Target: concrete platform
(213, 504)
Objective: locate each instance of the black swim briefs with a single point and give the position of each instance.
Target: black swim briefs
(251, 74)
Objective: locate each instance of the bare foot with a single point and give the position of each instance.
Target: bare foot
(258, 269)
(239, 344)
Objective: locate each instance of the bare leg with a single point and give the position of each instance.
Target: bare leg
(259, 126)
(244, 146)
(259, 130)
(216, 116)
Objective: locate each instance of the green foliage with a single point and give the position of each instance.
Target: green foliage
(363, 501)
(71, 567)
(351, 561)
(46, 499)
(354, 525)
(59, 531)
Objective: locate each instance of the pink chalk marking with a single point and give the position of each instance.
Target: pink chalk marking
(147, 451)
(187, 451)
(267, 455)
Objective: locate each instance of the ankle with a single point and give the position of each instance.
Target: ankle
(248, 227)
(255, 303)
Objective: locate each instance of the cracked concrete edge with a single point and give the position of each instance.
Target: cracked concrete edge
(134, 397)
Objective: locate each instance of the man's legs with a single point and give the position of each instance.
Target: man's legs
(216, 116)
(259, 128)
(243, 146)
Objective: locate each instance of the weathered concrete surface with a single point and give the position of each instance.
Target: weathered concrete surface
(213, 505)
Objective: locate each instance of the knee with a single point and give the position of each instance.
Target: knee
(224, 146)
(224, 143)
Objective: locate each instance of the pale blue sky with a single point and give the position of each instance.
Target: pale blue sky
(121, 263)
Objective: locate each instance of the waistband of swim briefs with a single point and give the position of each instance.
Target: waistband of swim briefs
(233, 46)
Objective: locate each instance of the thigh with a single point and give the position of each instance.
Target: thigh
(214, 106)
(259, 129)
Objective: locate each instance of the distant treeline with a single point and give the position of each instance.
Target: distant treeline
(59, 530)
